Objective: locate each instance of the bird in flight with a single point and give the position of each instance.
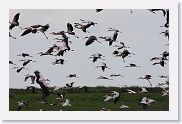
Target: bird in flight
(26, 61)
(24, 55)
(66, 103)
(147, 77)
(84, 26)
(72, 76)
(21, 104)
(59, 61)
(15, 22)
(90, 40)
(98, 10)
(96, 56)
(103, 66)
(105, 78)
(113, 95)
(132, 65)
(32, 77)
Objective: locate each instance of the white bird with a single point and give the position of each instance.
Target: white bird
(43, 80)
(165, 92)
(104, 109)
(21, 104)
(146, 101)
(131, 91)
(124, 106)
(108, 98)
(66, 103)
(144, 90)
(113, 95)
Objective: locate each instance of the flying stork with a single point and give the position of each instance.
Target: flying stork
(26, 61)
(132, 65)
(15, 22)
(113, 95)
(90, 40)
(103, 66)
(32, 77)
(24, 55)
(70, 30)
(84, 27)
(21, 104)
(42, 82)
(70, 85)
(147, 77)
(66, 103)
(115, 35)
(105, 78)
(72, 75)
(96, 56)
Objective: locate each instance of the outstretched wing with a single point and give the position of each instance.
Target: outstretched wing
(69, 27)
(27, 31)
(16, 17)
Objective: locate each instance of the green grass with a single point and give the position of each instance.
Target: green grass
(91, 101)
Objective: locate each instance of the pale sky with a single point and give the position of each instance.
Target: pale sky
(140, 31)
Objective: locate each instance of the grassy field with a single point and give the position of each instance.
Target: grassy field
(93, 100)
